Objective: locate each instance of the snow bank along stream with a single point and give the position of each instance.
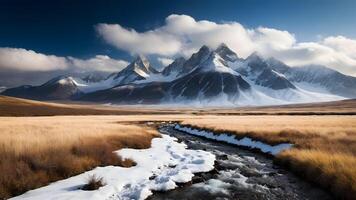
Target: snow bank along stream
(158, 168)
(231, 139)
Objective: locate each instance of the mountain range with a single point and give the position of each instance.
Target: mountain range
(216, 77)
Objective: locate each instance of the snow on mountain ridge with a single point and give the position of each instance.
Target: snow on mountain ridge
(174, 68)
(215, 63)
(139, 69)
(226, 53)
(213, 77)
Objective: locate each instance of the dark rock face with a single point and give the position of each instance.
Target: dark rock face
(226, 53)
(195, 60)
(152, 93)
(191, 87)
(175, 67)
(256, 63)
(206, 76)
(208, 85)
(271, 79)
(259, 71)
(199, 80)
(277, 65)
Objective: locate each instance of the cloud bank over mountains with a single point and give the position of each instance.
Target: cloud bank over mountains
(18, 59)
(28, 60)
(183, 35)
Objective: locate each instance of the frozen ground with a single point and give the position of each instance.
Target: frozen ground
(158, 168)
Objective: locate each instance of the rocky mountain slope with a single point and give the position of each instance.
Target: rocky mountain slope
(217, 77)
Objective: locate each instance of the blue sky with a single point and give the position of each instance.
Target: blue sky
(66, 27)
(39, 39)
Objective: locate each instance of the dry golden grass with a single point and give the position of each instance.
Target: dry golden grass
(332, 170)
(10, 106)
(344, 107)
(324, 151)
(37, 150)
(325, 145)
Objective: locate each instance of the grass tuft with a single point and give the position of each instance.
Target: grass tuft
(93, 183)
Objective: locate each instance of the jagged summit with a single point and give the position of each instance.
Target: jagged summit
(254, 64)
(195, 60)
(255, 57)
(139, 69)
(226, 53)
(218, 57)
(175, 67)
(141, 63)
(215, 63)
(204, 48)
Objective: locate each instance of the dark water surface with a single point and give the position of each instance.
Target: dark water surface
(241, 175)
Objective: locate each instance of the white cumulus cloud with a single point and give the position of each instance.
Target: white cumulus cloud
(183, 35)
(99, 63)
(341, 44)
(17, 59)
(149, 42)
(28, 60)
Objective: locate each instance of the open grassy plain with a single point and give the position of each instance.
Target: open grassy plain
(11, 106)
(36, 150)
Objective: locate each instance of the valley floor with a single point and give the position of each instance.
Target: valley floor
(35, 151)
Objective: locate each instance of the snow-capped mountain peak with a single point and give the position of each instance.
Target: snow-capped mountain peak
(61, 80)
(226, 53)
(216, 63)
(174, 68)
(139, 69)
(141, 66)
(256, 59)
(61, 87)
(209, 76)
(195, 60)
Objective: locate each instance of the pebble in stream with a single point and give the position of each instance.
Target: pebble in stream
(241, 175)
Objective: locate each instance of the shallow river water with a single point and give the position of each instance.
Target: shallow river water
(241, 174)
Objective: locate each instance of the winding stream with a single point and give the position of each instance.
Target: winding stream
(241, 174)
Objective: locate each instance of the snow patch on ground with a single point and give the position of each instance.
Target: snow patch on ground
(231, 139)
(160, 167)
